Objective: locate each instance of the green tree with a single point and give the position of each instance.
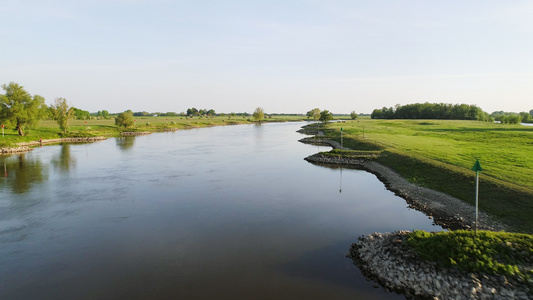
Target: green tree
(258, 114)
(81, 114)
(192, 111)
(326, 116)
(125, 119)
(376, 114)
(353, 115)
(61, 113)
(314, 114)
(526, 117)
(18, 108)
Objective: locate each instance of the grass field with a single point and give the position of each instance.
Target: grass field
(440, 154)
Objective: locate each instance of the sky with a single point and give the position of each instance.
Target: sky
(285, 56)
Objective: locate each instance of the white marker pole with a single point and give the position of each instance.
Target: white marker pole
(341, 139)
(477, 168)
(477, 196)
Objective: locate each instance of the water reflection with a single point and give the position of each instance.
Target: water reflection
(340, 186)
(125, 143)
(21, 171)
(64, 160)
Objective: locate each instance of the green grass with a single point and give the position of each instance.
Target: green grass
(440, 154)
(502, 253)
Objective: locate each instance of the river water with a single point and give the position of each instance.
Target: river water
(229, 212)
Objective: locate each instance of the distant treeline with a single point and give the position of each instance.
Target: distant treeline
(513, 118)
(427, 110)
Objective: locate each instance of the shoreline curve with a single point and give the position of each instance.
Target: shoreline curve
(27, 146)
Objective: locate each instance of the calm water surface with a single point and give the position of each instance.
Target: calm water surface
(228, 212)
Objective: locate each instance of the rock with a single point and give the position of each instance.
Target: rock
(437, 285)
(15, 150)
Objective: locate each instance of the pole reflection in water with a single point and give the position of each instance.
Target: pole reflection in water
(340, 187)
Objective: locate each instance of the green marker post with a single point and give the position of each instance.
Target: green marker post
(477, 168)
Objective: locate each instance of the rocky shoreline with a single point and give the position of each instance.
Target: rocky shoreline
(384, 258)
(445, 210)
(12, 150)
(26, 146)
(134, 133)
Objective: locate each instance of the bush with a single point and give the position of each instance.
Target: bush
(125, 119)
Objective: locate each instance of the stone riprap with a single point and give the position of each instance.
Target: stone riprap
(134, 133)
(12, 150)
(63, 140)
(26, 146)
(384, 258)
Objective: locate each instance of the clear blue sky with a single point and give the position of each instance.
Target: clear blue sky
(285, 56)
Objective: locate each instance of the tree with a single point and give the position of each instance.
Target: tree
(325, 116)
(104, 114)
(313, 113)
(526, 117)
(61, 113)
(353, 115)
(258, 114)
(376, 114)
(192, 111)
(18, 108)
(142, 114)
(125, 119)
(81, 114)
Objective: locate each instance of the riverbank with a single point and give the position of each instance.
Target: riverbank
(439, 154)
(386, 259)
(12, 150)
(445, 210)
(28, 146)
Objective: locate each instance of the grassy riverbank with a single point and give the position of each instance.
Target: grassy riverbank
(440, 154)
(49, 129)
(502, 253)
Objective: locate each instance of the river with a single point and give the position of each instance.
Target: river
(231, 212)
